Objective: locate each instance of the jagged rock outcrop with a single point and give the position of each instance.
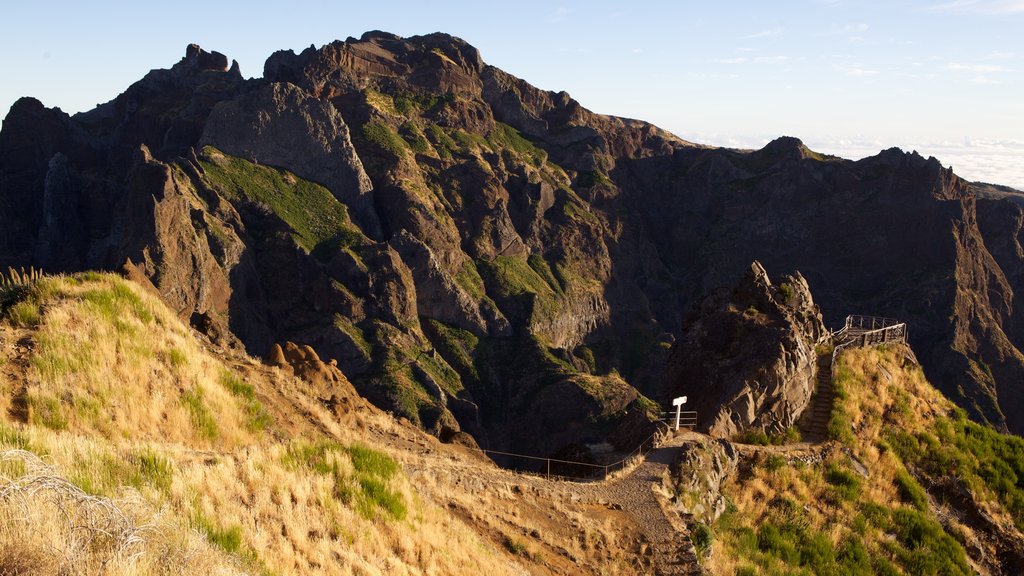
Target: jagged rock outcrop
(327, 381)
(281, 125)
(746, 358)
(698, 473)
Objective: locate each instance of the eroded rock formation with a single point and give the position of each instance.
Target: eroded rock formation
(746, 358)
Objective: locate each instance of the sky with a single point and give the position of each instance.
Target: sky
(943, 77)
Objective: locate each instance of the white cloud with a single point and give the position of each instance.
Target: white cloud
(977, 68)
(982, 79)
(980, 6)
(856, 70)
(637, 50)
(766, 33)
(847, 30)
(558, 15)
(755, 60)
(998, 55)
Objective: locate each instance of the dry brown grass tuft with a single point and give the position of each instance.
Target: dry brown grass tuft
(50, 526)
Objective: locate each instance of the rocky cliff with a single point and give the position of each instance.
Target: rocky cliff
(482, 255)
(746, 358)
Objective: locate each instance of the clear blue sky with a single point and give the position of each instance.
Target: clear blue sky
(842, 75)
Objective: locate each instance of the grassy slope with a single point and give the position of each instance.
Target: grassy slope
(788, 516)
(133, 416)
(318, 219)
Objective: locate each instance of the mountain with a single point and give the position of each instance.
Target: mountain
(482, 256)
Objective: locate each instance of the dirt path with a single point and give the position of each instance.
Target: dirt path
(640, 494)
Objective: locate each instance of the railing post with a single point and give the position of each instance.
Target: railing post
(549, 468)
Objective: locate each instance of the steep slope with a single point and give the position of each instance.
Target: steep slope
(491, 257)
(166, 453)
(911, 486)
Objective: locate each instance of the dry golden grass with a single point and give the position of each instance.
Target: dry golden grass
(50, 526)
(114, 379)
(111, 359)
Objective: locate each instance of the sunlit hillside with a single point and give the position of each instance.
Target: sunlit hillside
(907, 486)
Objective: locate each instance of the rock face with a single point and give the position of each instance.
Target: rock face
(328, 382)
(281, 125)
(699, 472)
(746, 356)
(482, 255)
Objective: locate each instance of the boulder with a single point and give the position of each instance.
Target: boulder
(699, 472)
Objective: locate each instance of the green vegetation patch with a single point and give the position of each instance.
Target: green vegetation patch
(759, 437)
(385, 138)
(309, 209)
(456, 345)
(200, 414)
(513, 276)
(256, 417)
(508, 138)
(989, 463)
(415, 138)
(367, 488)
(444, 144)
(541, 267)
(104, 474)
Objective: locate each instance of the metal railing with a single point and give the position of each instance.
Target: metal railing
(686, 419)
(863, 331)
(857, 321)
(577, 470)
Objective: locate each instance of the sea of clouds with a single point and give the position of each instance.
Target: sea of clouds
(977, 160)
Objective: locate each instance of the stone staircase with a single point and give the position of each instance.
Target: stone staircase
(858, 331)
(814, 423)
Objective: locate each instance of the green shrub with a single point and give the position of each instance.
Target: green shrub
(701, 536)
(443, 143)
(845, 483)
(228, 539)
(786, 292)
(24, 314)
(378, 495)
(372, 462)
(368, 491)
(385, 138)
(515, 547)
(414, 138)
(755, 436)
(911, 492)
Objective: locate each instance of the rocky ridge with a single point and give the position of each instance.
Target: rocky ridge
(473, 250)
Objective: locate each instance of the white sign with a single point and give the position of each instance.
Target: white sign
(678, 403)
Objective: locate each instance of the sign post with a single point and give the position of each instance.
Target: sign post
(678, 403)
